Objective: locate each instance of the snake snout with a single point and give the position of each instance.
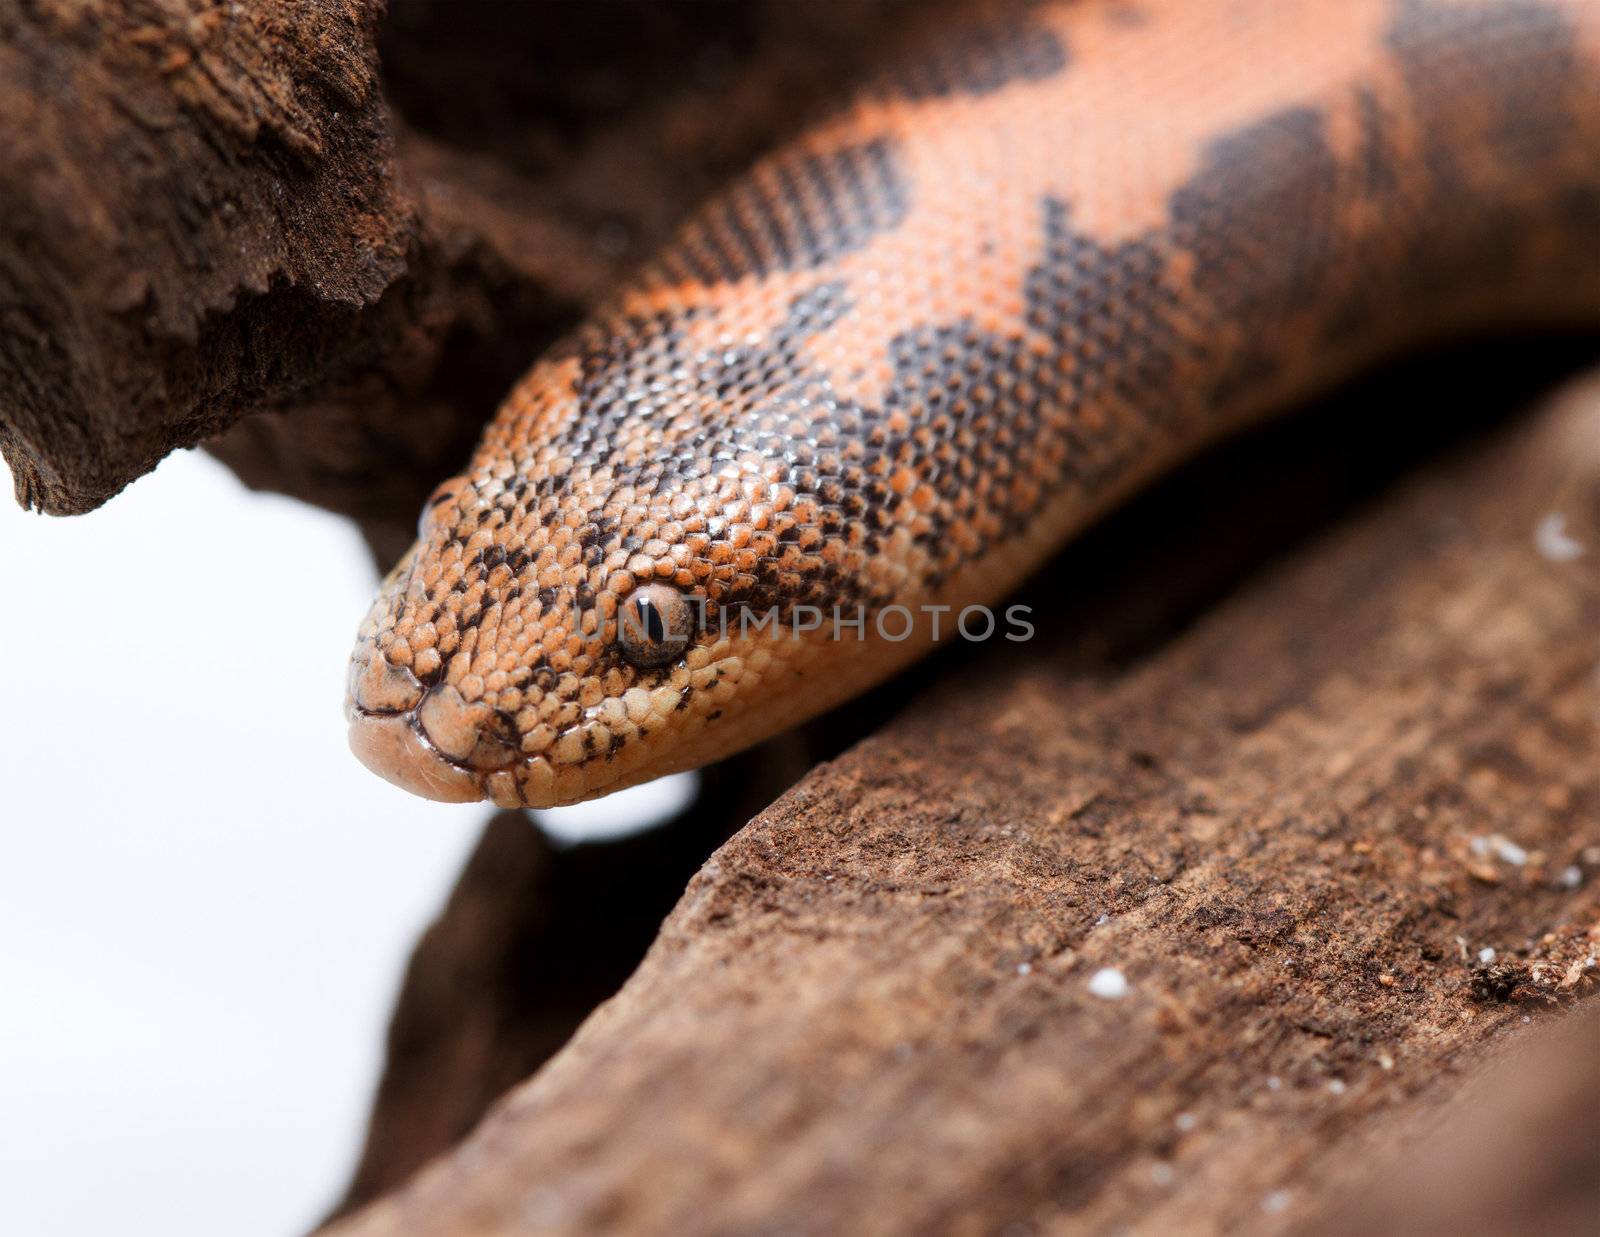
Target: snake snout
(392, 747)
(420, 739)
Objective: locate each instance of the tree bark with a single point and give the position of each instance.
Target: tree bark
(1516, 1151)
(171, 174)
(216, 224)
(532, 939)
(1165, 941)
(1292, 807)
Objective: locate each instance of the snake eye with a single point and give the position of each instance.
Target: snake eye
(655, 625)
(439, 503)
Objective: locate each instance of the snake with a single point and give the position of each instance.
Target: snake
(1038, 255)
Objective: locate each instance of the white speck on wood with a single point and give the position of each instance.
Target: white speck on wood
(1553, 540)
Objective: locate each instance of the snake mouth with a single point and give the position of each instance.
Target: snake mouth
(387, 707)
(428, 739)
(394, 747)
(406, 748)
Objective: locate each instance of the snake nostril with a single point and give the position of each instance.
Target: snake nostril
(376, 686)
(463, 731)
(446, 720)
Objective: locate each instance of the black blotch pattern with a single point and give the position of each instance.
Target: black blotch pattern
(1273, 247)
(746, 399)
(1261, 220)
(1111, 310)
(1507, 75)
(1511, 67)
(980, 59)
(801, 211)
(1503, 81)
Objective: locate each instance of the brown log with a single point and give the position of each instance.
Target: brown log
(1516, 1152)
(1302, 816)
(211, 211)
(531, 940)
(1292, 830)
(171, 175)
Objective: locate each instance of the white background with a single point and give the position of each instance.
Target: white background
(205, 902)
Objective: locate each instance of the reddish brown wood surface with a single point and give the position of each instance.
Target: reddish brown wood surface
(1293, 829)
(218, 211)
(1288, 762)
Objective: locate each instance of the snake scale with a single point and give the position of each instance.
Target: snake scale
(1047, 252)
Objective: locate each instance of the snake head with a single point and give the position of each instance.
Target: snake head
(506, 659)
(570, 620)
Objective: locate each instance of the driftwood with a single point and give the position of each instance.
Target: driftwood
(532, 939)
(211, 210)
(1293, 828)
(1517, 1150)
(1303, 735)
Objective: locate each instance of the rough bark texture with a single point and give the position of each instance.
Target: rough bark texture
(1517, 1151)
(171, 178)
(1293, 829)
(211, 211)
(1292, 806)
(533, 938)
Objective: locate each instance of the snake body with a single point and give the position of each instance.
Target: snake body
(1045, 254)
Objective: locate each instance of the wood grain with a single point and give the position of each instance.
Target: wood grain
(1293, 829)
